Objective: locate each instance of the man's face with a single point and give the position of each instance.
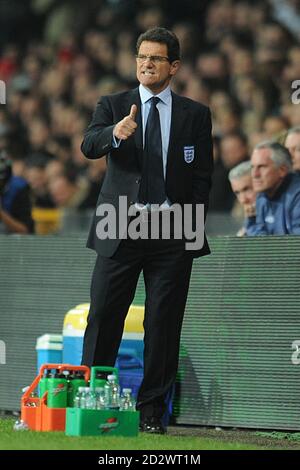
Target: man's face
(152, 74)
(266, 176)
(233, 151)
(36, 178)
(242, 188)
(292, 143)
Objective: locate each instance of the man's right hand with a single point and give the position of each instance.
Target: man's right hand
(127, 126)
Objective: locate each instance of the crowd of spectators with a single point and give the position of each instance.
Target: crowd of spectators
(268, 188)
(57, 58)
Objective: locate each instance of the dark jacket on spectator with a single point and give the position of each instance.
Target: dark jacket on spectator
(16, 201)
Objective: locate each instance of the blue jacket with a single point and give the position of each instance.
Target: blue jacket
(15, 185)
(16, 201)
(279, 215)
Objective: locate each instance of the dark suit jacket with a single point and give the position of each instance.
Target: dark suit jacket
(185, 182)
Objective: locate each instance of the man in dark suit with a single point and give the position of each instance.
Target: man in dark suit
(159, 151)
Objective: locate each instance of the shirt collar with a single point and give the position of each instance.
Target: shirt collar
(146, 95)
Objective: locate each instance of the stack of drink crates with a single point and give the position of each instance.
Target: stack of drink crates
(66, 402)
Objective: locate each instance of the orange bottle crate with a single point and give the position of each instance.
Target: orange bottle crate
(35, 412)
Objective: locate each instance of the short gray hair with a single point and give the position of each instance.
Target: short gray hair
(279, 154)
(240, 170)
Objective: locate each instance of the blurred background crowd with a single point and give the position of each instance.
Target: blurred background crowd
(57, 57)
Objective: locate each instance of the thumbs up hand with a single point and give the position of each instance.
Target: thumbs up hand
(125, 128)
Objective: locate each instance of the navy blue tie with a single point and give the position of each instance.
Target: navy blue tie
(152, 189)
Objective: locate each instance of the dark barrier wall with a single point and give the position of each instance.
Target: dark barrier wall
(239, 360)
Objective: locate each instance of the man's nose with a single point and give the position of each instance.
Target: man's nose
(148, 62)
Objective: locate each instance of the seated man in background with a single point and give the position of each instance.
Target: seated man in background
(292, 143)
(278, 192)
(15, 204)
(241, 184)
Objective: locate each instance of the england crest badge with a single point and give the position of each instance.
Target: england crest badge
(189, 153)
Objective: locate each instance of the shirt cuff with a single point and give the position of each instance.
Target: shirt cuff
(116, 142)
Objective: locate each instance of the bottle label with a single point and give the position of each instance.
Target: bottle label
(59, 389)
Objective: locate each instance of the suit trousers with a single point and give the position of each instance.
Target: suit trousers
(166, 268)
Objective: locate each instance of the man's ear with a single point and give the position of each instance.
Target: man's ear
(175, 67)
(283, 171)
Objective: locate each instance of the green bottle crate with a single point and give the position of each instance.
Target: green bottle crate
(83, 422)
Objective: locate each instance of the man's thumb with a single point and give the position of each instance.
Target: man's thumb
(133, 111)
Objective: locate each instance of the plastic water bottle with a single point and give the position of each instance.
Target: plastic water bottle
(33, 394)
(90, 399)
(20, 425)
(84, 397)
(127, 400)
(75, 383)
(112, 392)
(78, 397)
(100, 398)
(83, 394)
